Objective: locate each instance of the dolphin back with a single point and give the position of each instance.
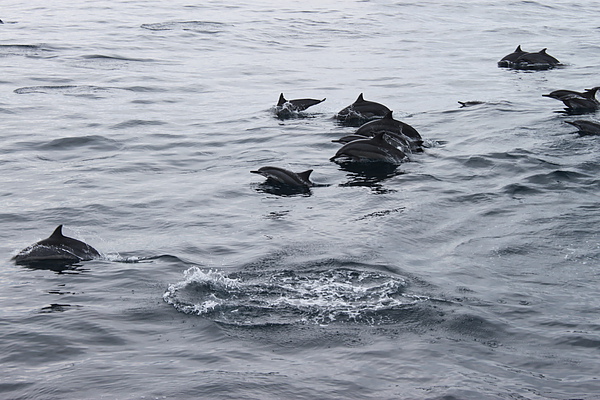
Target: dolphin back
(57, 247)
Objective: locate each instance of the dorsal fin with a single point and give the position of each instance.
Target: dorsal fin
(388, 115)
(57, 232)
(305, 175)
(543, 51)
(282, 100)
(518, 50)
(360, 98)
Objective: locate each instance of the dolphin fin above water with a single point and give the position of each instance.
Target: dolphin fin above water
(362, 111)
(56, 248)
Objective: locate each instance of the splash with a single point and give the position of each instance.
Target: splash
(288, 297)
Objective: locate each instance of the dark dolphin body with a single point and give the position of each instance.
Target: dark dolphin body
(520, 59)
(577, 101)
(289, 108)
(586, 127)
(371, 149)
(57, 248)
(402, 132)
(286, 177)
(362, 111)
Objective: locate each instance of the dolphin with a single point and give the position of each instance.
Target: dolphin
(586, 127)
(286, 177)
(539, 60)
(57, 248)
(511, 58)
(371, 149)
(297, 104)
(397, 129)
(577, 101)
(362, 110)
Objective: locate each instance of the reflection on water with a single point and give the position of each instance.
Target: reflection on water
(369, 174)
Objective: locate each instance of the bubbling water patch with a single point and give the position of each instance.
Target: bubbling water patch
(288, 297)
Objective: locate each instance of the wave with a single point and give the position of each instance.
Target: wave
(74, 90)
(195, 26)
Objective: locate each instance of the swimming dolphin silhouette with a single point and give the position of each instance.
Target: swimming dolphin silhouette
(371, 149)
(520, 59)
(362, 110)
(577, 101)
(57, 247)
(398, 129)
(586, 127)
(286, 177)
(297, 104)
(541, 59)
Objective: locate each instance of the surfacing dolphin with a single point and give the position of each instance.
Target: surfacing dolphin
(298, 104)
(56, 248)
(586, 127)
(286, 177)
(361, 111)
(520, 59)
(371, 149)
(288, 108)
(577, 101)
(398, 130)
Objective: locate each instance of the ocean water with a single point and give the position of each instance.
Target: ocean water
(468, 272)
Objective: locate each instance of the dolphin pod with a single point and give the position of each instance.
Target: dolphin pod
(370, 149)
(56, 248)
(379, 138)
(520, 59)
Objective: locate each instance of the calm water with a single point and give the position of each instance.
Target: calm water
(470, 272)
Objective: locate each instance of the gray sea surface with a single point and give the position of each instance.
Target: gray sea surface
(470, 271)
